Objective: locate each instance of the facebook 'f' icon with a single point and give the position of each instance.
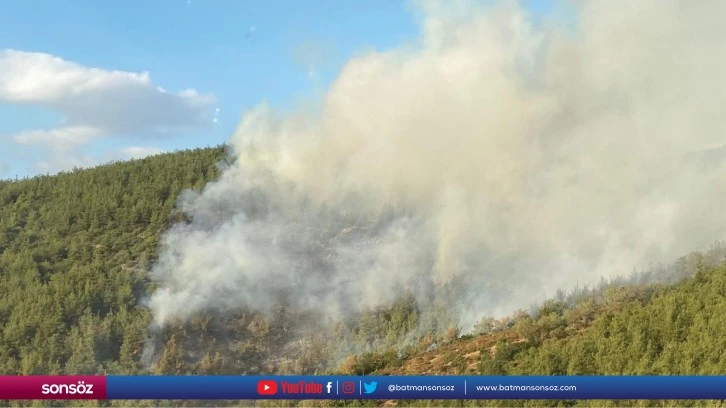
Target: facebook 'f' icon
(329, 386)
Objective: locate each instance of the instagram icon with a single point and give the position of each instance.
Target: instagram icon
(348, 387)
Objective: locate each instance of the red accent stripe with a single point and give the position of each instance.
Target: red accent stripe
(49, 387)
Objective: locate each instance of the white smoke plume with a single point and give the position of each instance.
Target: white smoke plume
(497, 159)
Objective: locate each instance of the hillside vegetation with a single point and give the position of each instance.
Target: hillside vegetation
(76, 250)
(74, 255)
(629, 330)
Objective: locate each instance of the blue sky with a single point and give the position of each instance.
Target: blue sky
(233, 53)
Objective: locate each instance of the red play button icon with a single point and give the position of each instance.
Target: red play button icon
(267, 387)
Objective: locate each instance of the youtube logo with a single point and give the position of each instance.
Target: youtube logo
(267, 387)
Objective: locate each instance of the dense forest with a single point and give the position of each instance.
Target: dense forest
(76, 250)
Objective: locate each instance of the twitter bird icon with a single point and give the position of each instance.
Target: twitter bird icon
(369, 388)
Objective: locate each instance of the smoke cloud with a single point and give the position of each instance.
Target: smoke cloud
(490, 164)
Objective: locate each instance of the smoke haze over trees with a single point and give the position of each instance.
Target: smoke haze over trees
(493, 164)
(490, 163)
(75, 265)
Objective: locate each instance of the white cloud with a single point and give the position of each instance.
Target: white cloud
(59, 139)
(114, 101)
(63, 160)
(95, 102)
(58, 163)
(138, 152)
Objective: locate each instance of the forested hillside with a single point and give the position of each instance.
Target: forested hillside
(625, 330)
(76, 251)
(74, 256)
